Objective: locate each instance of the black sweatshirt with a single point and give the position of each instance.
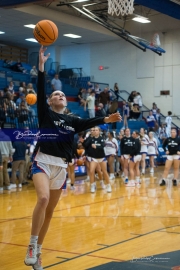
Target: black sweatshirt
(87, 145)
(172, 144)
(97, 152)
(136, 148)
(64, 126)
(127, 145)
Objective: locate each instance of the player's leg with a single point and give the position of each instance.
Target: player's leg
(41, 183)
(167, 167)
(53, 200)
(176, 171)
(92, 168)
(143, 163)
(111, 166)
(106, 176)
(131, 182)
(126, 166)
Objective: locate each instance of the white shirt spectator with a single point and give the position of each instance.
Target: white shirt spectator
(33, 71)
(91, 102)
(56, 83)
(168, 122)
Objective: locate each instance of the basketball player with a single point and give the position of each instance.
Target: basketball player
(172, 148)
(127, 143)
(97, 156)
(51, 158)
(134, 161)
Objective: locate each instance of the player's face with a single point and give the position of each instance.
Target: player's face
(134, 135)
(127, 132)
(58, 98)
(142, 131)
(96, 132)
(173, 133)
(92, 132)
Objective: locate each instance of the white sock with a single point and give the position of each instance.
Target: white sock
(39, 247)
(33, 240)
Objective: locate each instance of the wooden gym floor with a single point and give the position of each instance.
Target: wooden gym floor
(132, 228)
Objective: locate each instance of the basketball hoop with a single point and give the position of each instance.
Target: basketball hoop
(123, 7)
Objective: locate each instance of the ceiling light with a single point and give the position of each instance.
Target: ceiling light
(30, 25)
(31, 39)
(79, 1)
(141, 19)
(2, 32)
(71, 36)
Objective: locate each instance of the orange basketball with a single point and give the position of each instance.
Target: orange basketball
(45, 32)
(31, 99)
(80, 162)
(80, 152)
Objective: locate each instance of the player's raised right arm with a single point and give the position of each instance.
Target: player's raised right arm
(41, 95)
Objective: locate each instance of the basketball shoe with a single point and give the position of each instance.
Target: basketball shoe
(31, 257)
(37, 265)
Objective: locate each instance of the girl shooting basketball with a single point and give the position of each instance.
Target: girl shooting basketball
(51, 158)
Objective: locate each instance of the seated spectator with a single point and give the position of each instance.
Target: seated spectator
(56, 83)
(20, 99)
(138, 100)
(23, 88)
(22, 112)
(34, 72)
(134, 112)
(90, 85)
(151, 121)
(7, 63)
(10, 106)
(18, 67)
(82, 96)
(100, 110)
(11, 87)
(6, 92)
(131, 97)
(30, 89)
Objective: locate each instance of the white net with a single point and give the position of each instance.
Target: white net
(156, 40)
(123, 7)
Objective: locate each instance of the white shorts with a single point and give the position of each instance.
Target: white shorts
(173, 157)
(97, 160)
(72, 162)
(56, 174)
(136, 158)
(126, 156)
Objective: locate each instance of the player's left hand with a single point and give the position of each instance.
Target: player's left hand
(115, 117)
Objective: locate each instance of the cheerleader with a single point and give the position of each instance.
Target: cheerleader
(119, 159)
(97, 156)
(127, 143)
(110, 149)
(135, 158)
(172, 148)
(152, 150)
(144, 148)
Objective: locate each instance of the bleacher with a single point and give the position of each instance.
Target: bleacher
(70, 88)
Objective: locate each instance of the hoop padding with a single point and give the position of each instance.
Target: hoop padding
(123, 7)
